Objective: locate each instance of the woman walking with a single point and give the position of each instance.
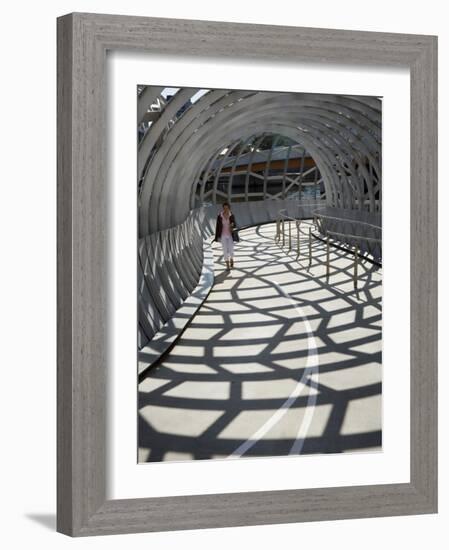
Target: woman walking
(226, 233)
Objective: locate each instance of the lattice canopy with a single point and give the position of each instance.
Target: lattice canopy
(199, 147)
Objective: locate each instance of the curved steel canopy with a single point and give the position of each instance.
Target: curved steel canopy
(185, 147)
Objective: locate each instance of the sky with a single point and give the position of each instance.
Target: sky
(195, 97)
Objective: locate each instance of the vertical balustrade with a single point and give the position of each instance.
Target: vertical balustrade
(323, 229)
(356, 262)
(297, 240)
(310, 247)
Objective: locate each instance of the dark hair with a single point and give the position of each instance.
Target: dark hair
(226, 204)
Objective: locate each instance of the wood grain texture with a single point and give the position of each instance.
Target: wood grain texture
(83, 40)
(423, 274)
(64, 278)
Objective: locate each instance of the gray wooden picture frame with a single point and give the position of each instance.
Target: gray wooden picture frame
(83, 40)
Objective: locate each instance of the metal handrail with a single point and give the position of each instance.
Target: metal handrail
(306, 204)
(355, 237)
(348, 230)
(350, 220)
(283, 217)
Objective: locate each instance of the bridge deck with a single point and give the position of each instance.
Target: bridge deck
(277, 361)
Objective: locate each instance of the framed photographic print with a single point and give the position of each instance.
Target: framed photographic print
(269, 363)
(246, 274)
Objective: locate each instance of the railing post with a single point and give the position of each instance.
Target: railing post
(289, 235)
(277, 229)
(297, 239)
(310, 246)
(327, 258)
(283, 231)
(356, 261)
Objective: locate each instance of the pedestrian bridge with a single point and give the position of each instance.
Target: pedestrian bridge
(282, 357)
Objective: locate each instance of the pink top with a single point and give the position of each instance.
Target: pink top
(226, 230)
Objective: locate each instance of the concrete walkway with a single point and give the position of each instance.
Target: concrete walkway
(275, 362)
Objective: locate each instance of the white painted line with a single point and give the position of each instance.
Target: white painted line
(312, 365)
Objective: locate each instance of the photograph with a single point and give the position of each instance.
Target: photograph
(259, 245)
(230, 352)
(219, 360)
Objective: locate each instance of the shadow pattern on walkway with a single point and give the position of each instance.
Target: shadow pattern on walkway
(245, 353)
